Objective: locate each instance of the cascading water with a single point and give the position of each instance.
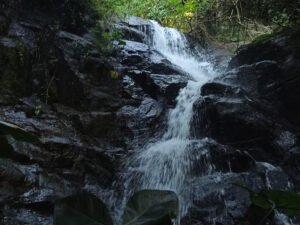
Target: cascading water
(176, 161)
(165, 164)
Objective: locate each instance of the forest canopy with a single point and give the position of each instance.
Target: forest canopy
(224, 20)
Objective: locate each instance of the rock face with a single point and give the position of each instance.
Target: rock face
(56, 84)
(86, 106)
(250, 110)
(91, 110)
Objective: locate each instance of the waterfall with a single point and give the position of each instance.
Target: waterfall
(165, 163)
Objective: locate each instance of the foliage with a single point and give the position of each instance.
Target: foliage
(169, 12)
(151, 207)
(104, 39)
(80, 210)
(284, 201)
(147, 207)
(224, 20)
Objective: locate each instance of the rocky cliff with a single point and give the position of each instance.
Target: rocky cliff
(90, 109)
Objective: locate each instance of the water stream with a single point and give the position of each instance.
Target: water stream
(165, 163)
(172, 161)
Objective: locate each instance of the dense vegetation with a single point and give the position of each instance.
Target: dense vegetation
(233, 21)
(223, 20)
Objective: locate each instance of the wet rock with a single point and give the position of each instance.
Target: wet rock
(8, 43)
(159, 86)
(230, 121)
(133, 91)
(220, 89)
(142, 57)
(291, 164)
(284, 51)
(169, 86)
(139, 23)
(133, 59)
(87, 118)
(257, 80)
(98, 99)
(228, 159)
(163, 67)
(144, 120)
(135, 47)
(57, 85)
(73, 38)
(27, 36)
(245, 111)
(274, 176)
(130, 33)
(217, 200)
(104, 125)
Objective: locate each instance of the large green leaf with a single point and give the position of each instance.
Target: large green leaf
(151, 207)
(285, 201)
(17, 133)
(81, 209)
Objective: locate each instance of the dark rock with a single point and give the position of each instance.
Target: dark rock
(220, 89)
(281, 79)
(169, 86)
(144, 120)
(90, 110)
(159, 86)
(291, 164)
(217, 199)
(73, 38)
(104, 125)
(228, 159)
(133, 59)
(257, 80)
(132, 47)
(246, 111)
(142, 57)
(230, 121)
(163, 68)
(130, 33)
(8, 43)
(139, 23)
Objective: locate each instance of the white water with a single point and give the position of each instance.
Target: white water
(166, 163)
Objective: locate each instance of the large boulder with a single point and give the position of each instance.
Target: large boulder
(284, 50)
(248, 106)
(251, 112)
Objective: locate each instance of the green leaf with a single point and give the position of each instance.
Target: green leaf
(81, 209)
(151, 207)
(262, 201)
(285, 201)
(257, 199)
(17, 133)
(106, 36)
